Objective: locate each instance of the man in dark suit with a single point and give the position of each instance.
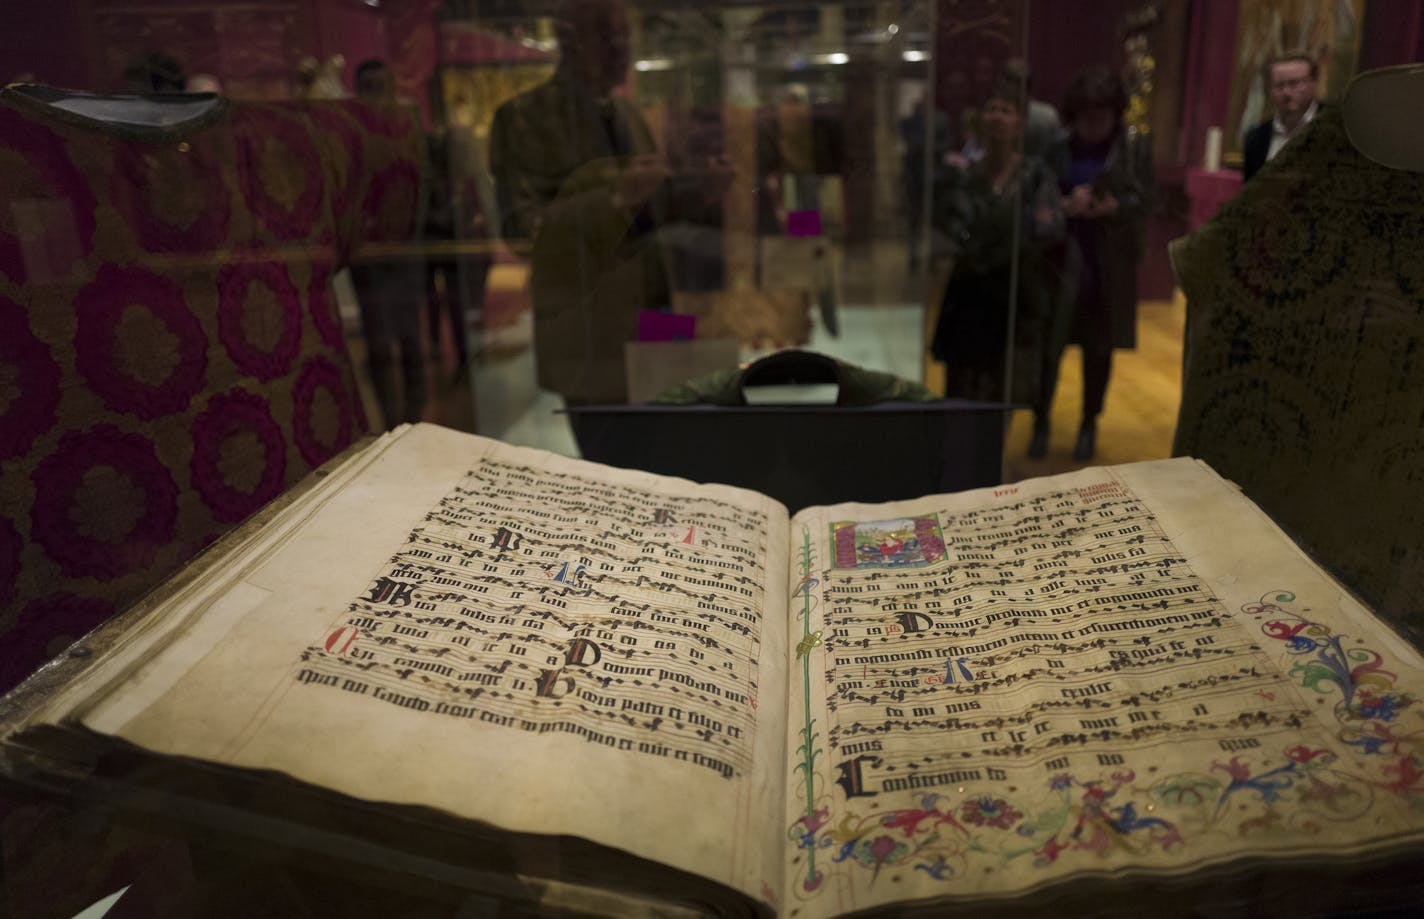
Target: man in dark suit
(582, 192)
(1292, 81)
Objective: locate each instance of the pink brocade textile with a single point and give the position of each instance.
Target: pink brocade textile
(171, 357)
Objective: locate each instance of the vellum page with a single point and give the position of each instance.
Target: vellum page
(1126, 667)
(130, 654)
(539, 643)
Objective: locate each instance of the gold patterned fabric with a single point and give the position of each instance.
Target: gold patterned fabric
(172, 357)
(1304, 373)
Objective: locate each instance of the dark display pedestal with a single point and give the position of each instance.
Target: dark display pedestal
(805, 455)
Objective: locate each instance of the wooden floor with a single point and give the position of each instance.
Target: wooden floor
(1140, 414)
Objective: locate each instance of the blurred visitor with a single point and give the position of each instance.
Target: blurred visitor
(454, 217)
(203, 83)
(1293, 81)
(796, 148)
(1041, 127)
(389, 288)
(997, 212)
(924, 125)
(321, 80)
(582, 191)
(1105, 175)
(971, 150)
(375, 83)
(154, 72)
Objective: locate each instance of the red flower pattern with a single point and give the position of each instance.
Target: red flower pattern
(57, 481)
(234, 284)
(100, 307)
(227, 415)
(319, 373)
(987, 811)
(255, 130)
(43, 628)
(194, 175)
(30, 411)
(46, 154)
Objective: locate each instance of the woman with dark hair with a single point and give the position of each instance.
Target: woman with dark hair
(989, 210)
(1105, 175)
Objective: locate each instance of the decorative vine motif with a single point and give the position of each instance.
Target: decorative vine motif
(1379, 748)
(944, 833)
(1369, 708)
(1269, 787)
(814, 817)
(947, 836)
(1366, 688)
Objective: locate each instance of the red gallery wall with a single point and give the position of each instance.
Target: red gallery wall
(254, 47)
(45, 41)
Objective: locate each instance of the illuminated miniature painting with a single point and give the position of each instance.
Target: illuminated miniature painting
(904, 542)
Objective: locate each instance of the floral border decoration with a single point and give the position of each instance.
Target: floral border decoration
(947, 835)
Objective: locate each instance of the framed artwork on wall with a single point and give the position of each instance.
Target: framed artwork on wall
(1326, 30)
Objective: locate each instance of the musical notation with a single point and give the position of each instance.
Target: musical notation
(1058, 623)
(551, 603)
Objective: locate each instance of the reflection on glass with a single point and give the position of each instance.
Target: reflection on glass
(388, 291)
(1105, 175)
(583, 188)
(1000, 213)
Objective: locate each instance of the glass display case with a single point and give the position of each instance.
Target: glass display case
(275, 276)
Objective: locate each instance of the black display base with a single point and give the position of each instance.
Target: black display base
(805, 455)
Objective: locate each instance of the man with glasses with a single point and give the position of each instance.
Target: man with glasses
(1292, 81)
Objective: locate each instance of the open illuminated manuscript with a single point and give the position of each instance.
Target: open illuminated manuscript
(981, 698)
